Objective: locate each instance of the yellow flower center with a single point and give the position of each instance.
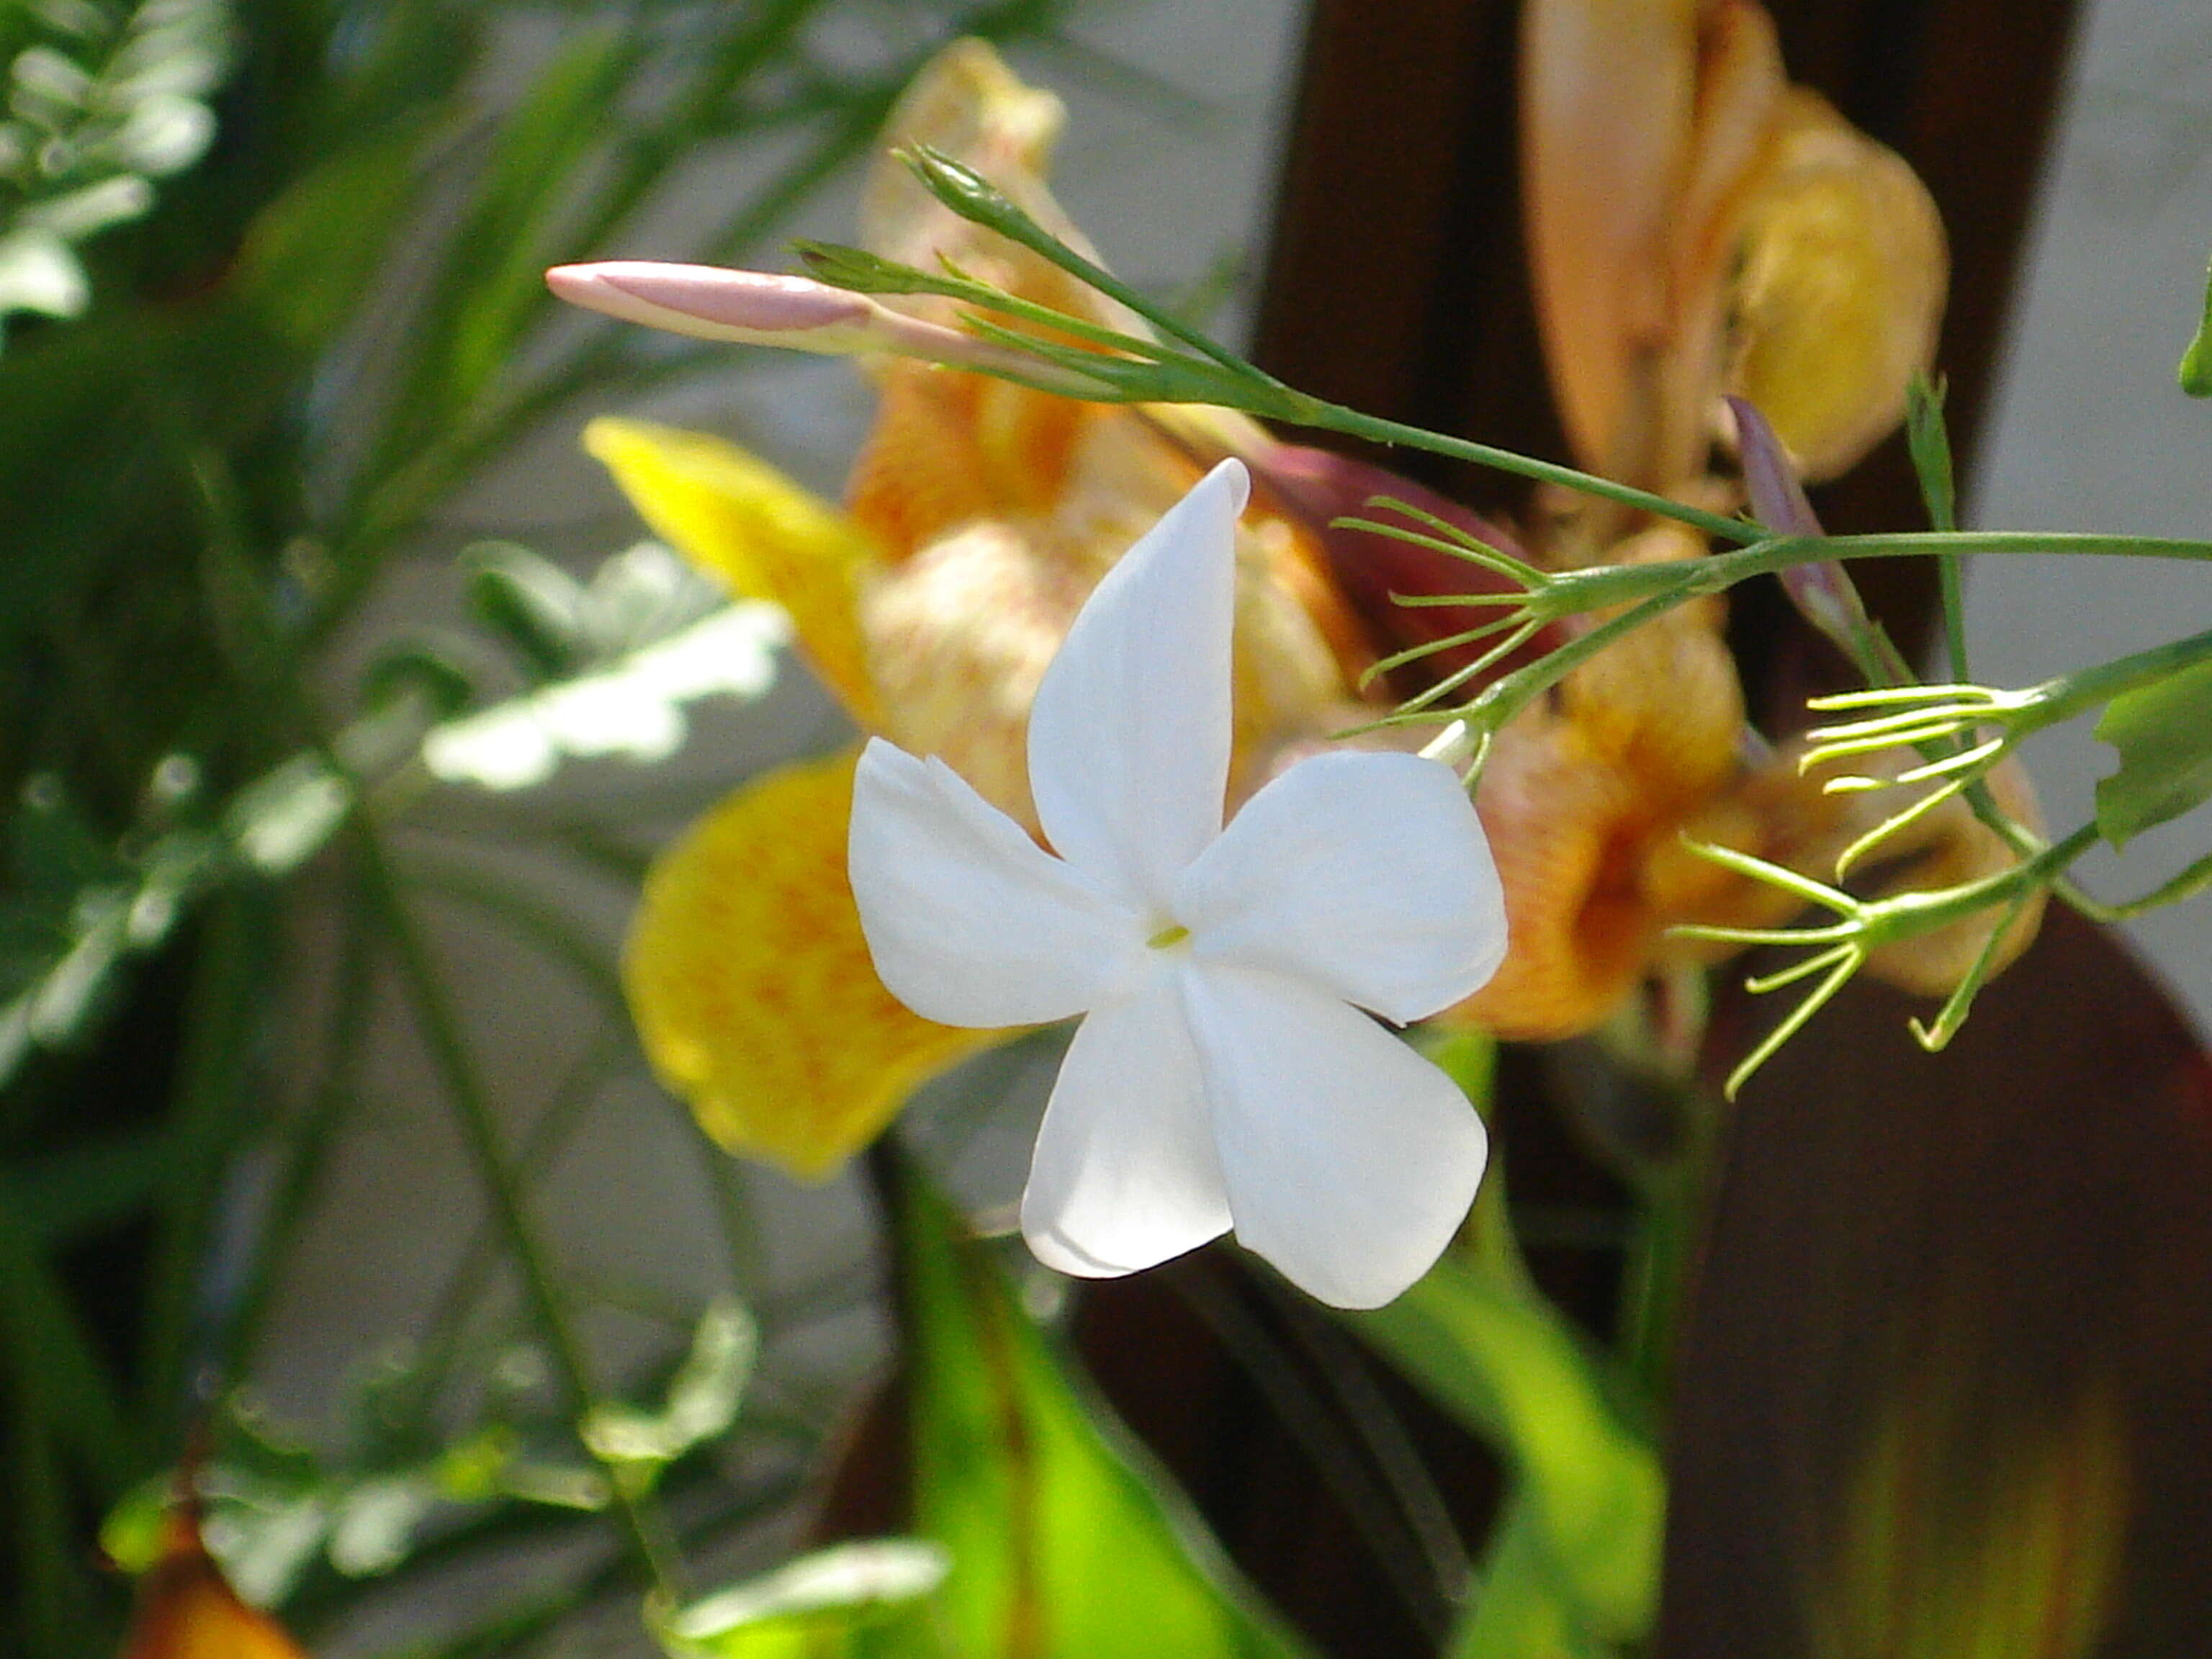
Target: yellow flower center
(1171, 934)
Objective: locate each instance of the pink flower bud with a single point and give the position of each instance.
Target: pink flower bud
(756, 308)
(712, 304)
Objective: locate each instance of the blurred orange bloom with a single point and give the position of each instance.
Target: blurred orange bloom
(187, 1610)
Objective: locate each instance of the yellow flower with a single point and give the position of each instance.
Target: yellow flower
(981, 517)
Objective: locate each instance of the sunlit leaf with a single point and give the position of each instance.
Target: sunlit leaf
(39, 272)
(282, 819)
(1059, 1545)
(633, 709)
(1487, 1348)
(2163, 734)
(1516, 1608)
(820, 1607)
(703, 1397)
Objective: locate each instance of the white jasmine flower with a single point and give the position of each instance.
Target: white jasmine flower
(1223, 1074)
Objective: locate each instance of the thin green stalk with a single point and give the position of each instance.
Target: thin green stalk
(1335, 417)
(2069, 694)
(2186, 884)
(440, 1347)
(48, 1588)
(227, 1000)
(52, 1360)
(311, 1138)
(1928, 440)
(1670, 1222)
(441, 1025)
(553, 932)
(741, 1240)
(1602, 587)
(1950, 573)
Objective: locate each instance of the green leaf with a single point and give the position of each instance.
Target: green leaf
(819, 1606)
(491, 283)
(2196, 371)
(703, 1397)
(283, 817)
(1490, 1351)
(1060, 1547)
(2163, 734)
(1517, 1609)
(1928, 439)
(310, 254)
(531, 603)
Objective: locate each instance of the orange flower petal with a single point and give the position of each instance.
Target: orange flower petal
(1608, 92)
(751, 985)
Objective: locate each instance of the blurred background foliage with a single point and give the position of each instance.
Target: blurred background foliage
(270, 276)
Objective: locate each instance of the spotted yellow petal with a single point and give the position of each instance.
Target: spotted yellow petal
(739, 517)
(751, 985)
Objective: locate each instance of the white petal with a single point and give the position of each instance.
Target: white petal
(969, 921)
(1350, 1160)
(1368, 874)
(1124, 1174)
(1129, 734)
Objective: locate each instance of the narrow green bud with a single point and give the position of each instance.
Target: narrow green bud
(970, 195)
(1929, 441)
(857, 271)
(2197, 361)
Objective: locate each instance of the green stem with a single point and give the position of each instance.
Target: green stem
(1910, 914)
(1304, 410)
(1567, 591)
(2186, 884)
(441, 1348)
(226, 1001)
(2072, 694)
(1950, 574)
(449, 1051)
(553, 932)
(311, 1138)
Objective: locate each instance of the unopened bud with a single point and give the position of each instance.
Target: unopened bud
(755, 307)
